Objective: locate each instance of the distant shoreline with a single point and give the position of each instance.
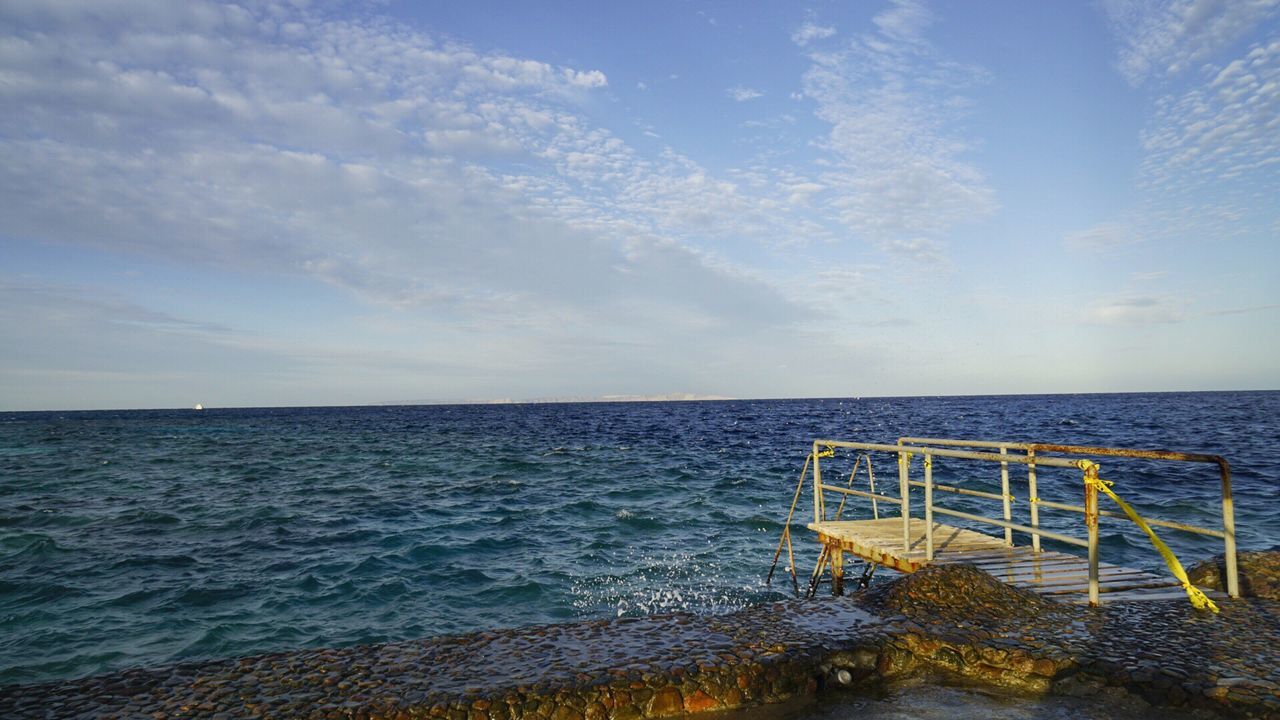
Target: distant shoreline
(670, 397)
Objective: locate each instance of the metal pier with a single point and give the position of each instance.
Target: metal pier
(909, 542)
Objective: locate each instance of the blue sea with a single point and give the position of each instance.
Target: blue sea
(146, 537)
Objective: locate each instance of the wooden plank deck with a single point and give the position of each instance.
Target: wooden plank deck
(1059, 575)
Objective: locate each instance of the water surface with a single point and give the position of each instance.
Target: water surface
(146, 537)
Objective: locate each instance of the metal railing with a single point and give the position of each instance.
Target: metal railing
(1032, 456)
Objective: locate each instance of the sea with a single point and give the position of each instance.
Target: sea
(146, 537)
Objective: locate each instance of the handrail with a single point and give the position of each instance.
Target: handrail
(1030, 455)
(821, 447)
(1227, 534)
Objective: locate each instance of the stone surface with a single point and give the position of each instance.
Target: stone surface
(953, 621)
(1259, 573)
(961, 589)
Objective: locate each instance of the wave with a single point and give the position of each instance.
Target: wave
(298, 527)
(28, 547)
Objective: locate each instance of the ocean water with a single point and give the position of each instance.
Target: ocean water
(146, 537)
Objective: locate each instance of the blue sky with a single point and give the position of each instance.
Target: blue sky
(323, 203)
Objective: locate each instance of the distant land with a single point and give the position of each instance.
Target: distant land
(668, 397)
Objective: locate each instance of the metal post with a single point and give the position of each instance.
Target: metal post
(904, 491)
(837, 570)
(1091, 522)
(928, 507)
(817, 486)
(1229, 530)
(1004, 490)
(1033, 499)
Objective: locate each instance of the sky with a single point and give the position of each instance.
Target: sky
(291, 203)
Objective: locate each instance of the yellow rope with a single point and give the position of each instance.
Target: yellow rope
(1198, 599)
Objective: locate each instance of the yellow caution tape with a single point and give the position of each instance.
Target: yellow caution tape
(1199, 600)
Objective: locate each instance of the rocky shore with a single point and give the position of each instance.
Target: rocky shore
(953, 621)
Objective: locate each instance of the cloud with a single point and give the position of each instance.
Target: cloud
(1103, 237)
(1211, 158)
(919, 251)
(79, 330)
(589, 79)
(809, 32)
(67, 346)
(905, 21)
(779, 121)
(1160, 39)
(56, 302)
(1137, 310)
(1244, 310)
(743, 94)
(1224, 131)
(897, 173)
(411, 171)
(1147, 276)
(470, 200)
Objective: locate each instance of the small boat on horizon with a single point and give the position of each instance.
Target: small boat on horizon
(199, 406)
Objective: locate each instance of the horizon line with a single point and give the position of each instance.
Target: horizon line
(630, 399)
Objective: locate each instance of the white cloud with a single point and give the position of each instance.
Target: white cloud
(1210, 168)
(588, 79)
(855, 295)
(67, 345)
(905, 21)
(801, 193)
(919, 251)
(811, 31)
(1224, 131)
(1138, 310)
(897, 174)
(1148, 276)
(779, 121)
(362, 154)
(1159, 39)
(1245, 310)
(1102, 237)
(743, 94)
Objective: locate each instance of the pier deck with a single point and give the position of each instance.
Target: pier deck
(1059, 575)
(907, 543)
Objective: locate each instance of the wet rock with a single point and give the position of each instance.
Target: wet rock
(1258, 571)
(951, 620)
(699, 701)
(565, 712)
(964, 590)
(664, 703)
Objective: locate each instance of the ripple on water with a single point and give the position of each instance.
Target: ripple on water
(131, 538)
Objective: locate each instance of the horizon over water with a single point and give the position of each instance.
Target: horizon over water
(621, 399)
(144, 537)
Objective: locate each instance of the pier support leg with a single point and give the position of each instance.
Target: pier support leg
(837, 571)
